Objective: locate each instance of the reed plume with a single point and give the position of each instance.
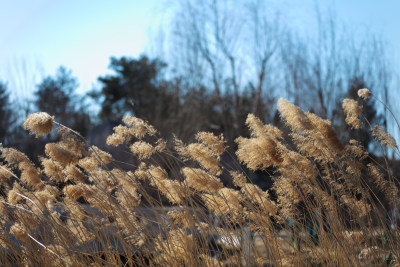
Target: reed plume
(329, 201)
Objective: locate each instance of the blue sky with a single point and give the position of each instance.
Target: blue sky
(82, 34)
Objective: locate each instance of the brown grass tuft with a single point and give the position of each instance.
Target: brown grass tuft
(328, 202)
(39, 123)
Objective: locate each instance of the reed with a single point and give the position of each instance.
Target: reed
(329, 203)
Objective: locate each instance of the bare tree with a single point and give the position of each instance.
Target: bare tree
(266, 36)
(313, 69)
(244, 54)
(229, 47)
(323, 67)
(24, 74)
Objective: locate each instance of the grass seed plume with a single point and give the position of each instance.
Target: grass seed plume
(329, 202)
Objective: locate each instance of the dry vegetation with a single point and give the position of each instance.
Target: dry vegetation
(328, 204)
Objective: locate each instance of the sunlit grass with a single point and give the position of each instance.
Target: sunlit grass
(329, 204)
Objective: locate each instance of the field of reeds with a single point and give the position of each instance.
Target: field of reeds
(330, 204)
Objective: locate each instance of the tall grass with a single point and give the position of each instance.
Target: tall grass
(328, 205)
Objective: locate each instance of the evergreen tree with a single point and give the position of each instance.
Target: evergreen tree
(56, 96)
(7, 117)
(135, 88)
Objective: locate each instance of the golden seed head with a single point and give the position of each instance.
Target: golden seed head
(13, 197)
(40, 123)
(217, 204)
(5, 173)
(294, 116)
(215, 143)
(90, 164)
(352, 111)
(205, 157)
(102, 156)
(324, 128)
(232, 196)
(76, 191)
(157, 173)
(258, 129)
(181, 149)
(72, 173)
(18, 231)
(121, 135)
(60, 153)
(364, 93)
(142, 150)
(239, 179)
(139, 128)
(173, 190)
(53, 169)
(384, 137)
(201, 180)
(258, 153)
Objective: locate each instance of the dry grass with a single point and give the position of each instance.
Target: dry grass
(328, 204)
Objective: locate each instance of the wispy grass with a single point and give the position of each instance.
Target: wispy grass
(329, 204)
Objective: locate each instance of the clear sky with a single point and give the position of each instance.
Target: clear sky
(79, 34)
(41, 35)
